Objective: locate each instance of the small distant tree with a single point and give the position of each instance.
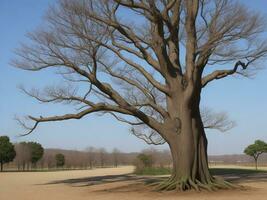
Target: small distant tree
(159, 158)
(146, 160)
(91, 152)
(255, 150)
(102, 157)
(7, 151)
(115, 155)
(37, 152)
(60, 160)
(49, 160)
(23, 155)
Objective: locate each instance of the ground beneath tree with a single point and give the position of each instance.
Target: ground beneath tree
(116, 184)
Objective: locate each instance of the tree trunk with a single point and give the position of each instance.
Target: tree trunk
(189, 152)
(1, 166)
(256, 163)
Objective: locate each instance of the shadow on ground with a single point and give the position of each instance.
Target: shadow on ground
(87, 181)
(238, 176)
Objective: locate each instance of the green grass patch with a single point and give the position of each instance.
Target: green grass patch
(237, 171)
(153, 171)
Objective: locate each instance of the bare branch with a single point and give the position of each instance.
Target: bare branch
(95, 108)
(218, 74)
(217, 121)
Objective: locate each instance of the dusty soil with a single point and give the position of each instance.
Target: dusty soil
(114, 184)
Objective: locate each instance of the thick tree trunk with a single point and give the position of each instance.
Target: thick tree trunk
(190, 162)
(189, 152)
(1, 166)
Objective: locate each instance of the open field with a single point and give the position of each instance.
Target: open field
(252, 167)
(118, 183)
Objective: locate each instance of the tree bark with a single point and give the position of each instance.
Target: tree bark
(189, 152)
(1, 166)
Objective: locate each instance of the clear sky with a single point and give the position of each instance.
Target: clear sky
(245, 100)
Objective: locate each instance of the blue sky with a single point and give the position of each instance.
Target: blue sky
(245, 100)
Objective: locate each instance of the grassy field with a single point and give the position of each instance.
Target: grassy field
(119, 183)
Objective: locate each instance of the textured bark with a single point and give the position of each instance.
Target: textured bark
(189, 149)
(190, 159)
(189, 152)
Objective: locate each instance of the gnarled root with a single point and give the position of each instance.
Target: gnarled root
(187, 184)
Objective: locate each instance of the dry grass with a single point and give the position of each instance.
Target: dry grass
(111, 184)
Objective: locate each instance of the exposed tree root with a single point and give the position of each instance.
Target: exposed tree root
(187, 184)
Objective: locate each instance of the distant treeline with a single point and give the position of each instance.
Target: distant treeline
(90, 158)
(98, 157)
(32, 156)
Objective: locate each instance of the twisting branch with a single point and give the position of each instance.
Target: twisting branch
(219, 74)
(229, 33)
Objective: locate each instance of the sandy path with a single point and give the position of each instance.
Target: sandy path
(33, 185)
(75, 185)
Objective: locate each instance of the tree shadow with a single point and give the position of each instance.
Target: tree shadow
(240, 175)
(96, 180)
(237, 176)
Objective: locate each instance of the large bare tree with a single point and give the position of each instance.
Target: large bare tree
(146, 62)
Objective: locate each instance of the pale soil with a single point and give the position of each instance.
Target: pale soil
(110, 184)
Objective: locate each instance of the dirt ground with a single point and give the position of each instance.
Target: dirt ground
(114, 184)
